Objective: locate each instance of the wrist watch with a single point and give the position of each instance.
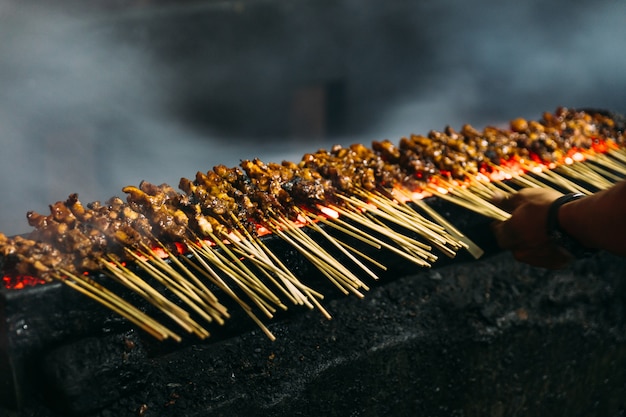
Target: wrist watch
(559, 236)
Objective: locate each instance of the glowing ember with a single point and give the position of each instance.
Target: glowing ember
(602, 146)
(21, 281)
(442, 184)
(301, 220)
(420, 195)
(159, 252)
(181, 248)
(262, 230)
(499, 175)
(482, 177)
(400, 195)
(328, 212)
(234, 237)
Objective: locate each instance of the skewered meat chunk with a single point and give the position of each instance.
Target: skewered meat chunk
(213, 203)
(30, 257)
(160, 205)
(75, 236)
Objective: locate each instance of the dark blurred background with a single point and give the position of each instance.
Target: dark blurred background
(102, 94)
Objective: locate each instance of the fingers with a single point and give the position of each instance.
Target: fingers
(506, 201)
(524, 234)
(538, 196)
(526, 226)
(505, 235)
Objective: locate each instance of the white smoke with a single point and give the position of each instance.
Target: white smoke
(81, 110)
(502, 60)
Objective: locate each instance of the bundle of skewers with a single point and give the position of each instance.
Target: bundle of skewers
(181, 250)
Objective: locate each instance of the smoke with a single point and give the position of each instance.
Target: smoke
(83, 110)
(501, 60)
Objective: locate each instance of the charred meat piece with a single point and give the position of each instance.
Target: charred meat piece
(76, 236)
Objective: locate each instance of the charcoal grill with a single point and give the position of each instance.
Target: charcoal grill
(487, 337)
(466, 336)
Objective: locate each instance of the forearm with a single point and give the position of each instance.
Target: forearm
(598, 221)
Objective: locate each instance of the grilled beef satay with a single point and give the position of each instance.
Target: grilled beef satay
(87, 234)
(228, 198)
(214, 202)
(161, 206)
(280, 188)
(307, 187)
(30, 257)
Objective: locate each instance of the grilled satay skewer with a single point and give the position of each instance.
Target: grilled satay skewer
(219, 216)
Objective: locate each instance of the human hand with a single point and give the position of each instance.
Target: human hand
(525, 233)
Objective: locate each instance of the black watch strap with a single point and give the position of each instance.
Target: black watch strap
(558, 235)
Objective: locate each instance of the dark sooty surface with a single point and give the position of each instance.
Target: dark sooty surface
(492, 337)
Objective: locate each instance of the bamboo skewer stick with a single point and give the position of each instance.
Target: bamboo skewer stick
(172, 280)
(358, 234)
(136, 284)
(618, 154)
(208, 254)
(528, 181)
(608, 162)
(248, 284)
(248, 276)
(290, 289)
(470, 202)
(418, 258)
(100, 294)
(220, 311)
(405, 242)
(401, 215)
(585, 173)
(341, 248)
(365, 209)
(336, 225)
(610, 176)
(334, 270)
(268, 261)
(318, 263)
(404, 215)
(267, 269)
(471, 247)
(364, 256)
(297, 291)
(569, 184)
(519, 177)
(340, 271)
(210, 273)
(501, 186)
(375, 214)
(556, 179)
